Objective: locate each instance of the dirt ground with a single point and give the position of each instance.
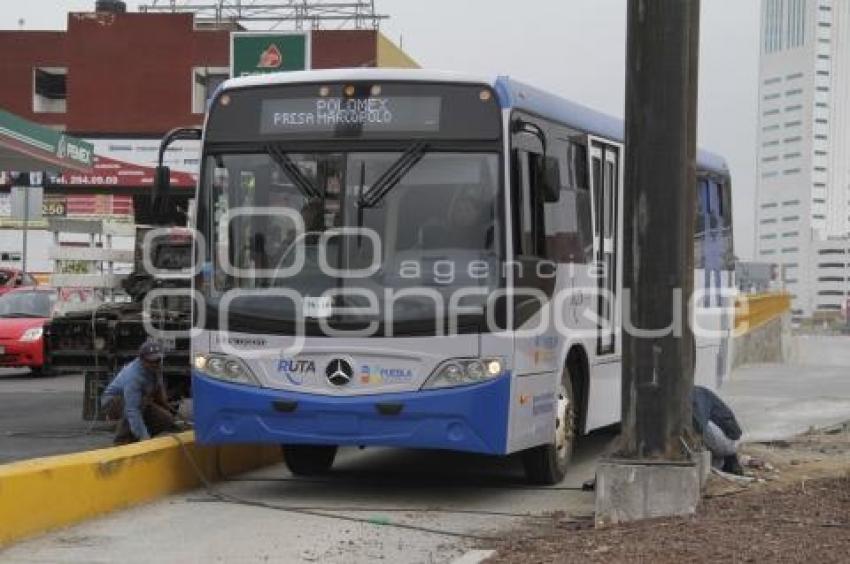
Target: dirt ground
(796, 508)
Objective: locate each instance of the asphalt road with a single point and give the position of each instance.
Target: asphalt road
(42, 415)
(451, 494)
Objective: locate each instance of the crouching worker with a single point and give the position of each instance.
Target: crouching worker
(136, 398)
(719, 429)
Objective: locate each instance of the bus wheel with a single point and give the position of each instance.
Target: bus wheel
(547, 464)
(308, 460)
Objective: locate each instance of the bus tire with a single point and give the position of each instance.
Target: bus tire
(308, 460)
(547, 464)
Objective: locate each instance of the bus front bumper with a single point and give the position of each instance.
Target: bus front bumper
(470, 418)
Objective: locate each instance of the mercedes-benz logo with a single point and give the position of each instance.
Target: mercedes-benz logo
(339, 372)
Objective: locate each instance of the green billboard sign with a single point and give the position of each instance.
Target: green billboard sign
(26, 146)
(263, 53)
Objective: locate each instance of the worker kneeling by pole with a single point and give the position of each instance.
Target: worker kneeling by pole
(136, 398)
(720, 431)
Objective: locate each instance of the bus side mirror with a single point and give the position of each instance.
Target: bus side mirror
(162, 181)
(161, 190)
(548, 178)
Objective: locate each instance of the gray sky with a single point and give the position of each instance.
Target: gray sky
(575, 48)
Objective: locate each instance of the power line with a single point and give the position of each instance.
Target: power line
(301, 14)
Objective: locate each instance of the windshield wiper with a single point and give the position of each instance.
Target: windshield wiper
(21, 314)
(393, 175)
(290, 168)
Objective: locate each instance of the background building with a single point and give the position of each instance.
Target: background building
(830, 259)
(121, 80)
(804, 138)
(141, 74)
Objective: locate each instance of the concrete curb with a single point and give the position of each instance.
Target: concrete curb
(46, 493)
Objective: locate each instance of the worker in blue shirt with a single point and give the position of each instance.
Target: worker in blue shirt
(136, 398)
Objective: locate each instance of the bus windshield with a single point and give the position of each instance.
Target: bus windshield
(395, 236)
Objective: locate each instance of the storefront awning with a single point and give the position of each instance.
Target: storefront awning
(27, 146)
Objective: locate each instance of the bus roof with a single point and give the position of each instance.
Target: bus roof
(511, 94)
(515, 94)
(342, 75)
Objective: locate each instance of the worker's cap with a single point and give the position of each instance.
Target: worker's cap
(151, 351)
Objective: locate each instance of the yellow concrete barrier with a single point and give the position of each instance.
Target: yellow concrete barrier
(46, 493)
(752, 312)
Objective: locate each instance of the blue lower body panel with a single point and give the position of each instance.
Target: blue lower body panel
(471, 418)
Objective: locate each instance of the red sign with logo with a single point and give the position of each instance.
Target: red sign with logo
(271, 58)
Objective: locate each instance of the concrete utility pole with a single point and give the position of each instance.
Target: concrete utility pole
(658, 249)
(660, 175)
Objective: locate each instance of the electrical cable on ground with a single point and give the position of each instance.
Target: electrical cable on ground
(355, 509)
(420, 485)
(229, 498)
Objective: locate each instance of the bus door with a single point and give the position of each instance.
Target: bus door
(605, 186)
(529, 227)
(535, 362)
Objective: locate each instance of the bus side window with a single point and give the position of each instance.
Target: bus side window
(577, 157)
(565, 242)
(702, 206)
(725, 205)
(537, 223)
(518, 199)
(529, 234)
(714, 207)
(724, 198)
(596, 170)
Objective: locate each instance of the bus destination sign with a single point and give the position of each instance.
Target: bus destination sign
(368, 115)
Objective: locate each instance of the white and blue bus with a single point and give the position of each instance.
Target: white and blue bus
(420, 259)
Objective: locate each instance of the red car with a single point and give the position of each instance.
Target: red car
(11, 278)
(23, 313)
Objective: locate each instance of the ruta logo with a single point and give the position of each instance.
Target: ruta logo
(271, 58)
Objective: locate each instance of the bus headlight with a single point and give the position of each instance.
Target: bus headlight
(223, 367)
(464, 371)
(476, 371)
